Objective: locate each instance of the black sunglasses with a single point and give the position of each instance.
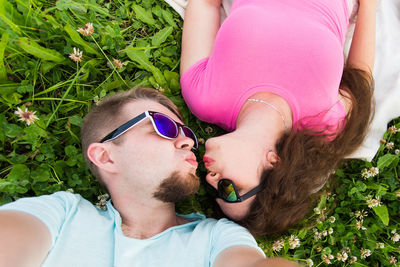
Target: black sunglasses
(162, 124)
(228, 192)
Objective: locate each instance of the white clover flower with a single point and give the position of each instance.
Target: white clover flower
(327, 258)
(374, 171)
(278, 245)
(324, 233)
(359, 225)
(390, 145)
(392, 260)
(309, 262)
(397, 151)
(342, 256)
(371, 202)
(87, 30)
(365, 174)
(380, 245)
(330, 230)
(361, 213)
(395, 238)
(353, 260)
(294, 242)
(25, 115)
(346, 250)
(365, 253)
(317, 235)
(393, 129)
(332, 219)
(76, 55)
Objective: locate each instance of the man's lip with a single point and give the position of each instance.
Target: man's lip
(208, 161)
(192, 160)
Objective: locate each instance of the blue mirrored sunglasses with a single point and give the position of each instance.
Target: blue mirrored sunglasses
(162, 124)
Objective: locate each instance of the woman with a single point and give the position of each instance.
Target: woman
(274, 76)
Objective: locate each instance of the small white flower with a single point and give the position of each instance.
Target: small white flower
(76, 55)
(294, 242)
(324, 233)
(342, 256)
(353, 260)
(374, 171)
(390, 145)
(371, 202)
(393, 129)
(380, 245)
(327, 258)
(330, 230)
(392, 260)
(395, 238)
(25, 115)
(361, 214)
(359, 225)
(309, 262)
(278, 245)
(397, 151)
(365, 253)
(332, 219)
(87, 30)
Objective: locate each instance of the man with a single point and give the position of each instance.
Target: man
(137, 146)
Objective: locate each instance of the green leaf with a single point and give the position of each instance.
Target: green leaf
(382, 213)
(3, 44)
(71, 151)
(386, 161)
(41, 174)
(143, 15)
(76, 120)
(168, 18)
(161, 36)
(77, 39)
(140, 57)
(12, 130)
(18, 172)
(33, 48)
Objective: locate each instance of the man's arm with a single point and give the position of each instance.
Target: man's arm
(243, 256)
(362, 49)
(200, 27)
(24, 239)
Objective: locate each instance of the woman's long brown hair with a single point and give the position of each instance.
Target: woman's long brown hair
(307, 160)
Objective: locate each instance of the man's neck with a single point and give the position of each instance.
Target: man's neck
(142, 219)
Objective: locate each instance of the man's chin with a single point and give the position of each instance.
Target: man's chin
(177, 187)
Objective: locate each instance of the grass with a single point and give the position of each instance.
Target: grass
(137, 43)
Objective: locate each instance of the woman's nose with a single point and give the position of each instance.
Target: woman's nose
(212, 178)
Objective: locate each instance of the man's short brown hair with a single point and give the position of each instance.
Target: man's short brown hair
(106, 116)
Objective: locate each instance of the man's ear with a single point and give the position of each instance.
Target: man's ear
(272, 158)
(100, 156)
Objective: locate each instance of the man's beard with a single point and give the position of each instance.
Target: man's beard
(177, 187)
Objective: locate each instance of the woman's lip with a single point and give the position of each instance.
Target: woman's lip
(208, 161)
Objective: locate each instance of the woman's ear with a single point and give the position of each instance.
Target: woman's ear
(99, 155)
(272, 158)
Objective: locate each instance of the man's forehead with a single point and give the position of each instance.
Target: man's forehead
(139, 106)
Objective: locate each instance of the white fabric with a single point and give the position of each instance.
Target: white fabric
(386, 71)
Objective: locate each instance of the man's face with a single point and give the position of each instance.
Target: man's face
(151, 164)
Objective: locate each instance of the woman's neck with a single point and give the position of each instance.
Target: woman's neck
(270, 115)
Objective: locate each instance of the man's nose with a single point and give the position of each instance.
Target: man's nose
(184, 142)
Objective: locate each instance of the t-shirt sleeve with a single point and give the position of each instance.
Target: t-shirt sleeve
(228, 234)
(52, 210)
(192, 78)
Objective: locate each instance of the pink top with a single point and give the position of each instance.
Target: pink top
(290, 48)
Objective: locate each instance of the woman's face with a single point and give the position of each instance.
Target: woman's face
(233, 157)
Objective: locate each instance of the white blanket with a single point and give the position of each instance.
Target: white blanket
(386, 71)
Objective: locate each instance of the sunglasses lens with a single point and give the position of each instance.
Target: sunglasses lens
(189, 133)
(227, 190)
(165, 125)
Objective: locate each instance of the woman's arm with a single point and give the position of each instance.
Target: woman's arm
(362, 49)
(200, 27)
